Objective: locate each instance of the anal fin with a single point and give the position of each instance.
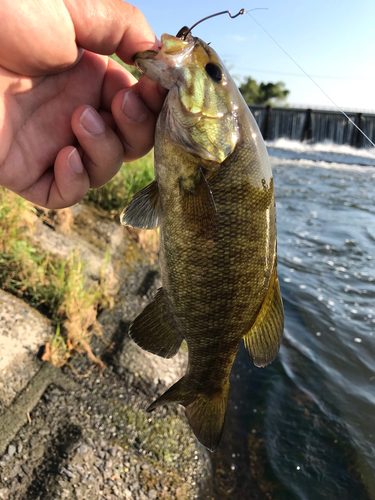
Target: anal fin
(155, 329)
(143, 211)
(263, 340)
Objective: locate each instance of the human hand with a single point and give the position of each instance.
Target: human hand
(54, 95)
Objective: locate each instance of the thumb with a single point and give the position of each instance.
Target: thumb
(114, 26)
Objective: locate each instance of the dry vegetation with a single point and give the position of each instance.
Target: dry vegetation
(55, 286)
(52, 285)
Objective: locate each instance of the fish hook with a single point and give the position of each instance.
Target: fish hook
(183, 33)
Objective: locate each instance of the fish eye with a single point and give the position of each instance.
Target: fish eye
(214, 71)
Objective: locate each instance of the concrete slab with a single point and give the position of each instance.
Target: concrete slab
(23, 330)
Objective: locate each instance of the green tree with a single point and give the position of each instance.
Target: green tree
(263, 93)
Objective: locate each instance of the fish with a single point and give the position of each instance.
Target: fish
(213, 201)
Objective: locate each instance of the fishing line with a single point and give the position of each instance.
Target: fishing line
(308, 76)
(185, 33)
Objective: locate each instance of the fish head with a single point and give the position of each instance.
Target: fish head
(201, 107)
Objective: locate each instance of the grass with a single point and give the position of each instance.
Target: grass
(132, 69)
(23, 270)
(115, 196)
(52, 285)
(132, 177)
(77, 313)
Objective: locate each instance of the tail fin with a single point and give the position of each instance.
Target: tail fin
(205, 412)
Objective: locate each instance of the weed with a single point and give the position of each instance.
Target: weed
(77, 313)
(114, 196)
(52, 285)
(24, 271)
(132, 69)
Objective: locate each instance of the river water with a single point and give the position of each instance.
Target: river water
(304, 427)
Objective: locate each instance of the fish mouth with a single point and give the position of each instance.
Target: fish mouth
(145, 55)
(164, 65)
(152, 64)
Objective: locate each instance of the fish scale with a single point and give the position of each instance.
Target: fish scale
(213, 199)
(204, 304)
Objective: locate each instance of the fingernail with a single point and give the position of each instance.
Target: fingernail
(75, 162)
(133, 107)
(91, 121)
(80, 53)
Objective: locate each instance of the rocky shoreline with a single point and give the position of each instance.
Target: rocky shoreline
(76, 433)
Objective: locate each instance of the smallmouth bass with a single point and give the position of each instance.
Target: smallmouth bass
(213, 200)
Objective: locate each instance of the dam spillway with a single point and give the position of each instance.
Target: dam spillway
(314, 125)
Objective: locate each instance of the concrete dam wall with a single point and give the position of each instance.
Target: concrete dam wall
(314, 125)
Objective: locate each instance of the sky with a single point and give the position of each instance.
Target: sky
(332, 40)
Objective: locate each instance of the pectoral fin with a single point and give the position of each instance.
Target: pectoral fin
(143, 211)
(263, 340)
(198, 203)
(155, 329)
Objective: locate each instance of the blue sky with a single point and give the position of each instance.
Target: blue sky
(332, 40)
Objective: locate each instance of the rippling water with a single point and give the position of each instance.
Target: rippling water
(304, 428)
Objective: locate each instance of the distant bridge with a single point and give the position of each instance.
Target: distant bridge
(314, 125)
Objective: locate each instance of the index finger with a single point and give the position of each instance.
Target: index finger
(112, 26)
